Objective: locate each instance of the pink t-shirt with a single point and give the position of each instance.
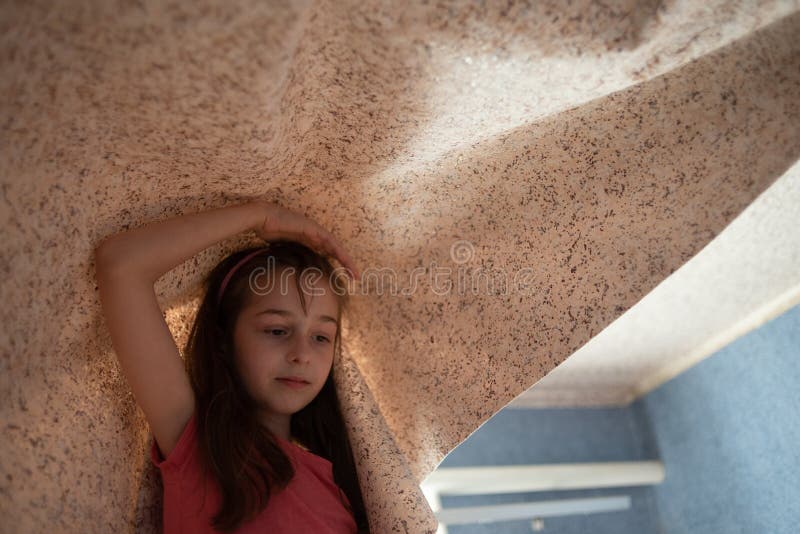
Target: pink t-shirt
(309, 504)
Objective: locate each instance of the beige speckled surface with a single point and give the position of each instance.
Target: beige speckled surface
(600, 146)
(744, 277)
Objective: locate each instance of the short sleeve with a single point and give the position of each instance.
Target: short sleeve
(179, 456)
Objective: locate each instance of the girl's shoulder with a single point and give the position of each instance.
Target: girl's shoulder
(291, 441)
(299, 444)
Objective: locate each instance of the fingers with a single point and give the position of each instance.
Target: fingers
(332, 246)
(321, 240)
(308, 231)
(348, 263)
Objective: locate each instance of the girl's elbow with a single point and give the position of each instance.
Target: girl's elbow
(105, 256)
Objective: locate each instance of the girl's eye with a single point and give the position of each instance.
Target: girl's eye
(279, 332)
(273, 330)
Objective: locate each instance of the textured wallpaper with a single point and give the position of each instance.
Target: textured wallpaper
(516, 176)
(747, 275)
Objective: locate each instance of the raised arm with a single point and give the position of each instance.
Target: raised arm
(127, 266)
(129, 263)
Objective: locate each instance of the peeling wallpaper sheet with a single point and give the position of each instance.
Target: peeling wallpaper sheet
(746, 276)
(578, 154)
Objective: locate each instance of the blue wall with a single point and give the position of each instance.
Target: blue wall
(727, 430)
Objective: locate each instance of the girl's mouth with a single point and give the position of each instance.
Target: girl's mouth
(292, 383)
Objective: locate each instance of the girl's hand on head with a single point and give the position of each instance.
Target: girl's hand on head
(280, 223)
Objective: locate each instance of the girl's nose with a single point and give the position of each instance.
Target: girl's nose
(299, 348)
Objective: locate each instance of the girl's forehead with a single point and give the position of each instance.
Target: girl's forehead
(288, 276)
(319, 297)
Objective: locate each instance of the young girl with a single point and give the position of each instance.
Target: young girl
(249, 436)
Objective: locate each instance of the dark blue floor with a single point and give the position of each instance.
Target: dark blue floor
(560, 436)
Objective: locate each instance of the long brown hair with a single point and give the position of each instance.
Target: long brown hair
(243, 456)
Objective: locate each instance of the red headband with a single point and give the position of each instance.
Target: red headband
(235, 268)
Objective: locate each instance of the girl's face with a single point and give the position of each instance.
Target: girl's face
(274, 338)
